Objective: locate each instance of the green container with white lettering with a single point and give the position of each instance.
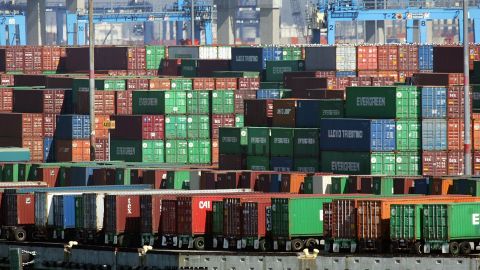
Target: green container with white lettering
(258, 141)
(383, 102)
(275, 69)
(198, 102)
(281, 142)
(198, 127)
(229, 141)
(223, 102)
(199, 152)
(306, 143)
(176, 151)
(258, 163)
(176, 127)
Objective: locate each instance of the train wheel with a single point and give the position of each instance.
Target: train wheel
(297, 244)
(465, 248)
(311, 243)
(20, 235)
(199, 243)
(454, 248)
(264, 245)
(418, 248)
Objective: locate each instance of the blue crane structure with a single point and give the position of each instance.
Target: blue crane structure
(77, 24)
(12, 25)
(410, 11)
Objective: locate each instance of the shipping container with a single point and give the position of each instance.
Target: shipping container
(425, 57)
(72, 127)
(281, 142)
(357, 135)
(346, 58)
(408, 135)
(435, 163)
(367, 58)
(247, 59)
(306, 143)
(305, 109)
(72, 150)
(198, 102)
(138, 127)
(223, 102)
(408, 163)
(448, 59)
(176, 127)
(176, 151)
(122, 218)
(321, 58)
(434, 134)
(387, 56)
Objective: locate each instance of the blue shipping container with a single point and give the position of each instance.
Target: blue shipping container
(358, 135)
(274, 184)
(346, 74)
(434, 102)
(310, 111)
(281, 164)
(64, 211)
(272, 54)
(434, 134)
(81, 176)
(247, 59)
(421, 186)
(72, 127)
(48, 149)
(269, 94)
(425, 57)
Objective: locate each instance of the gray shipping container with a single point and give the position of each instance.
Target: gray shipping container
(183, 52)
(321, 58)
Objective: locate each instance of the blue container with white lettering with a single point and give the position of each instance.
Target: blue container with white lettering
(434, 134)
(360, 135)
(48, 149)
(247, 59)
(269, 94)
(434, 102)
(281, 164)
(425, 57)
(309, 111)
(342, 74)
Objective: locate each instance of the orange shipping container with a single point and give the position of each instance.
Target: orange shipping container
(476, 163)
(476, 134)
(388, 57)
(159, 84)
(408, 57)
(367, 58)
(72, 150)
(455, 134)
(215, 152)
(203, 84)
(292, 182)
(101, 132)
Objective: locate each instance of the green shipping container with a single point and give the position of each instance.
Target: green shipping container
(230, 141)
(153, 151)
(385, 102)
(24, 171)
(258, 141)
(198, 127)
(408, 163)
(199, 152)
(223, 102)
(306, 143)
(239, 120)
(176, 102)
(177, 179)
(175, 127)
(148, 102)
(271, 85)
(198, 102)
(383, 163)
(292, 53)
(123, 176)
(383, 186)
(176, 151)
(476, 94)
(217, 218)
(181, 84)
(258, 163)
(10, 172)
(339, 185)
(354, 163)
(154, 56)
(79, 224)
(281, 142)
(188, 68)
(405, 222)
(307, 165)
(408, 136)
(275, 69)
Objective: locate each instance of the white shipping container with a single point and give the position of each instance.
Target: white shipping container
(208, 52)
(323, 184)
(346, 58)
(224, 53)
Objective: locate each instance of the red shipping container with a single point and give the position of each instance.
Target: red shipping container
(258, 113)
(240, 97)
(103, 177)
(19, 209)
(456, 163)
(227, 180)
(6, 100)
(476, 132)
(383, 81)
(136, 58)
(171, 67)
(476, 163)
(33, 58)
(215, 152)
(403, 185)
(122, 214)
(48, 175)
(455, 102)
(408, 57)
(41, 101)
(137, 72)
(321, 94)
(226, 84)
(248, 83)
(389, 74)
(203, 84)
(35, 145)
(72, 150)
(284, 113)
(138, 127)
(6, 80)
(169, 217)
(156, 178)
(123, 102)
(435, 163)
(208, 179)
(438, 79)
(360, 81)
(290, 77)
(104, 102)
(368, 73)
(367, 58)
(49, 124)
(102, 149)
(455, 134)
(21, 125)
(387, 56)
(152, 213)
(221, 120)
(159, 84)
(138, 84)
(195, 214)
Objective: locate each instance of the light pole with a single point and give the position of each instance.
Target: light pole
(91, 92)
(192, 17)
(466, 73)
